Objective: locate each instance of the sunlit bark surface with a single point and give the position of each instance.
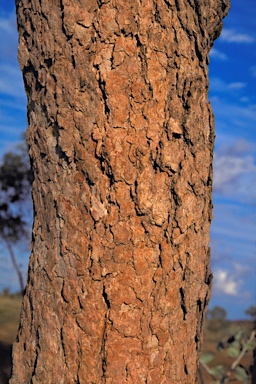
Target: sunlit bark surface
(121, 140)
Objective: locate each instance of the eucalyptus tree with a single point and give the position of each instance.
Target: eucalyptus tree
(121, 138)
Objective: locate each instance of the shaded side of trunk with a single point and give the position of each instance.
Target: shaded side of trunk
(121, 141)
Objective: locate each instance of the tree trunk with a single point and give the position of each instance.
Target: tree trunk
(121, 141)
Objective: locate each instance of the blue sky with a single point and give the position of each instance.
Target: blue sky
(233, 97)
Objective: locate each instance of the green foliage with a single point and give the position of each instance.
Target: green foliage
(207, 357)
(234, 349)
(218, 371)
(242, 374)
(236, 346)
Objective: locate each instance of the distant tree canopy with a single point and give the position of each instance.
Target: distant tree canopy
(15, 200)
(217, 318)
(15, 187)
(251, 311)
(217, 313)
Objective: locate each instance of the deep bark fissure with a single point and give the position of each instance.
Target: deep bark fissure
(102, 86)
(105, 334)
(105, 297)
(62, 8)
(34, 367)
(62, 342)
(183, 304)
(185, 369)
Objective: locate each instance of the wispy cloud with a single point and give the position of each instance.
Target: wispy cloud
(10, 137)
(231, 36)
(6, 25)
(253, 71)
(236, 85)
(8, 44)
(218, 85)
(11, 83)
(216, 54)
(245, 99)
(239, 147)
(233, 119)
(230, 167)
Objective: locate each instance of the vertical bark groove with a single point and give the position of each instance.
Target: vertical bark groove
(121, 141)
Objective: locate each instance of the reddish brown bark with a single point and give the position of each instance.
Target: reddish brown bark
(121, 139)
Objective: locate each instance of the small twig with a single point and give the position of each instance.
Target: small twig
(200, 375)
(15, 265)
(241, 355)
(244, 350)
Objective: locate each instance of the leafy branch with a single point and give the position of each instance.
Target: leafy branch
(236, 346)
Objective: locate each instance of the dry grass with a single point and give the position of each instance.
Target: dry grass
(9, 319)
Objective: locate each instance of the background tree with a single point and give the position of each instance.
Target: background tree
(15, 202)
(251, 311)
(121, 141)
(217, 318)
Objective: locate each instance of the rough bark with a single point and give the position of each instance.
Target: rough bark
(121, 140)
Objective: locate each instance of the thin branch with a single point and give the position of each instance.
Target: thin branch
(200, 375)
(208, 370)
(15, 265)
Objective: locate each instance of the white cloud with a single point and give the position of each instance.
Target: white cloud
(231, 36)
(232, 280)
(225, 283)
(216, 54)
